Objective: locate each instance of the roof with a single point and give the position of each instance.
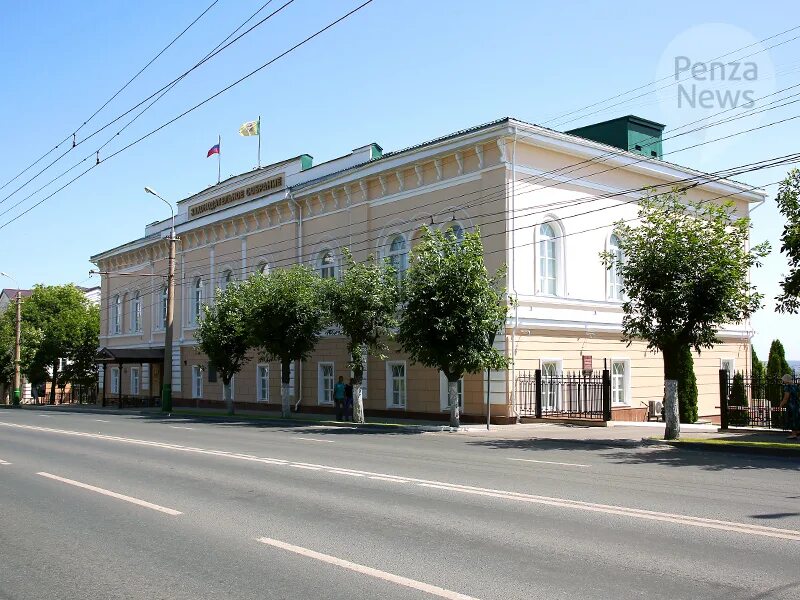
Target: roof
(11, 292)
(130, 355)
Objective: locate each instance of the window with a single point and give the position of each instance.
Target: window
(457, 231)
(197, 381)
(398, 256)
(615, 291)
(262, 383)
(262, 268)
(728, 364)
(197, 300)
(396, 384)
(619, 381)
(115, 380)
(326, 265)
(135, 381)
(227, 390)
(325, 382)
(551, 388)
(444, 401)
(548, 260)
(164, 299)
(116, 314)
(226, 279)
(136, 312)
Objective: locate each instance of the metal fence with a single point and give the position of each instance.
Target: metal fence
(570, 395)
(752, 401)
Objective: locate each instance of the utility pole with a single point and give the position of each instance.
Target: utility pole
(17, 382)
(166, 377)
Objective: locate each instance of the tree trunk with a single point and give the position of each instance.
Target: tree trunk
(452, 399)
(672, 430)
(358, 394)
(285, 403)
(228, 401)
(55, 380)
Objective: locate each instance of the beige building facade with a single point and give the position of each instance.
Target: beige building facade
(544, 201)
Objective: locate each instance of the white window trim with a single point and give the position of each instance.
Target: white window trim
(116, 314)
(321, 382)
(443, 399)
(722, 362)
(259, 396)
(626, 381)
(197, 382)
(611, 273)
(135, 390)
(393, 255)
(115, 380)
(136, 312)
(332, 266)
(561, 261)
(559, 362)
(389, 381)
(195, 303)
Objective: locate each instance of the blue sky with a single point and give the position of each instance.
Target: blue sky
(396, 73)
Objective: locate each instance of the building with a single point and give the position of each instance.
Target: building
(9, 296)
(542, 205)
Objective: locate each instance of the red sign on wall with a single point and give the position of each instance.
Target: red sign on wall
(587, 363)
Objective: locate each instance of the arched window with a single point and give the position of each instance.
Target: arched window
(548, 260)
(225, 280)
(262, 268)
(398, 256)
(326, 264)
(456, 230)
(116, 314)
(615, 290)
(197, 299)
(136, 312)
(163, 306)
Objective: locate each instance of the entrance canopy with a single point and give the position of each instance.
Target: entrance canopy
(130, 355)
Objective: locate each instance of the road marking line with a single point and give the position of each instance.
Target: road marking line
(3, 462)
(789, 534)
(549, 462)
(309, 467)
(111, 494)
(101, 421)
(392, 479)
(308, 439)
(176, 427)
(434, 590)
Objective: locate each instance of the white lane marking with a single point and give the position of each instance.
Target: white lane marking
(308, 439)
(3, 462)
(177, 427)
(434, 590)
(111, 494)
(763, 530)
(549, 462)
(309, 467)
(102, 421)
(392, 479)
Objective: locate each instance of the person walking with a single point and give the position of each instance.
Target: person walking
(792, 404)
(348, 400)
(338, 398)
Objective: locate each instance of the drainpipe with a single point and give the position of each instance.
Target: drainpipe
(513, 276)
(299, 371)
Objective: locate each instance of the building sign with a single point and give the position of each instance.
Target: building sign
(587, 363)
(274, 183)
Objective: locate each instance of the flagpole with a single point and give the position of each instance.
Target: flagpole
(219, 159)
(259, 141)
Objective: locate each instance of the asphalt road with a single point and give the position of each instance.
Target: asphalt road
(96, 506)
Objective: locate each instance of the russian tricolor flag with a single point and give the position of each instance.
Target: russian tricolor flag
(214, 150)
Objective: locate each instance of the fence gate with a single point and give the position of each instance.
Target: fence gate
(748, 401)
(565, 395)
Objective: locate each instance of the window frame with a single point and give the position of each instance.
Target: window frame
(615, 290)
(136, 389)
(556, 259)
(390, 364)
(164, 302)
(732, 370)
(136, 312)
(551, 396)
(116, 315)
(321, 379)
(326, 270)
(262, 392)
(232, 387)
(196, 300)
(226, 277)
(197, 382)
(116, 380)
(398, 258)
(626, 382)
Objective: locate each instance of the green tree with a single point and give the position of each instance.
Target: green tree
(685, 269)
(68, 326)
(757, 374)
(777, 367)
(363, 303)
(287, 315)
(452, 307)
(687, 387)
(788, 200)
(223, 333)
(738, 401)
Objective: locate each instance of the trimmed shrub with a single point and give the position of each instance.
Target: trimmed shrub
(687, 388)
(738, 414)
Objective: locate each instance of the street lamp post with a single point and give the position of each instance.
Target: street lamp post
(166, 377)
(18, 328)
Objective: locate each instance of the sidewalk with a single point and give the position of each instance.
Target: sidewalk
(704, 437)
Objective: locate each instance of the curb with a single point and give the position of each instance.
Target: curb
(726, 448)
